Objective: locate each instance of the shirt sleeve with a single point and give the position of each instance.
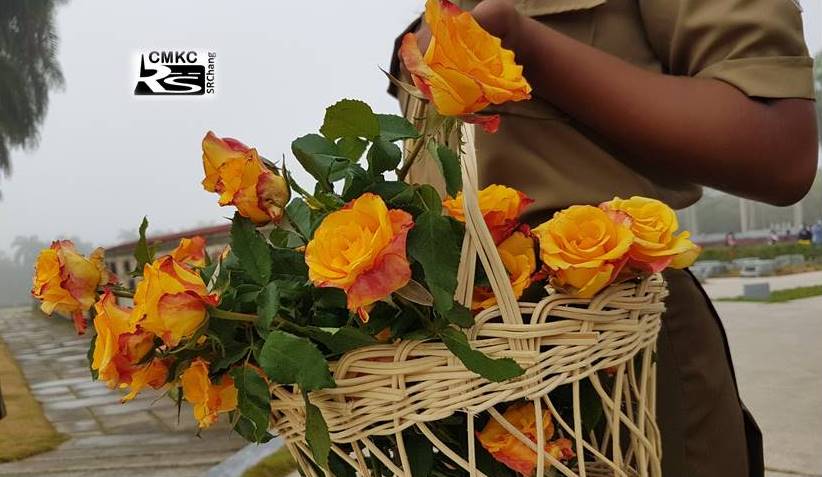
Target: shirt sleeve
(755, 45)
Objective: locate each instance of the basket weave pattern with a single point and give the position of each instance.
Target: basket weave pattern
(561, 340)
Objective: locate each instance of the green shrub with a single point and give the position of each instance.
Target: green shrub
(723, 253)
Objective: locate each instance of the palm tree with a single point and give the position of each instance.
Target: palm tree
(26, 249)
(28, 70)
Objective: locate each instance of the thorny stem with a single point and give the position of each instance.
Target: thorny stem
(231, 315)
(118, 292)
(433, 124)
(412, 157)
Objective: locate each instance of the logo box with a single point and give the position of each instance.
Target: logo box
(176, 73)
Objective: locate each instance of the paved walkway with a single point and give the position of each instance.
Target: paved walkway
(107, 439)
(777, 351)
(730, 287)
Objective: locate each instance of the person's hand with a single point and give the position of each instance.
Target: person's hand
(498, 17)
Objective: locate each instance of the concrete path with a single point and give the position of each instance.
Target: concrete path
(107, 439)
(730, 287)
(777, 351)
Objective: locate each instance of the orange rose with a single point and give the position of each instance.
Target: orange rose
(656, 245)
(516, 455)
(171, 300)
(155, 374)
(501, 207)
(67, 282)
(519, 259)
(207, 398)
(361, 249)
(583, 248)
(465, 68)
(191, 251)
(119, 348)
(237, 173)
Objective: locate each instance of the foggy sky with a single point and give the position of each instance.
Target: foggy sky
(107, 158)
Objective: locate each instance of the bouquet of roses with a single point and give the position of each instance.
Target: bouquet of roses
(361, 259)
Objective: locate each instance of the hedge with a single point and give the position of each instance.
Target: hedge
(724, 253)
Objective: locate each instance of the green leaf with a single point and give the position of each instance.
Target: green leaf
(340, 340)
(246, 428)
(339, 468)
(449, 164)
(383, 156)
(316, 433)
(497, 370)
(284, 238)
(320, 157)
(393, 128)
(289, 359)
(288, 264)
(429, 197)
(356, 182)
(232, 356)
(350, 118)
(329, 201)
(590, 405)
(143, 253)
(420, 453)
(394, 193)
(90, 359)
(352, 147)
(268, 305)
(328, 297)
(432, 243)
(251, 250)
(460, 316)
(253, 400)
(304, 219)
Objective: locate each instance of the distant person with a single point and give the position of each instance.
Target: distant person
(816, 233)
(730, 242)
(804, 237)
(773, 237)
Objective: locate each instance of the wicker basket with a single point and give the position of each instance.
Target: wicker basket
(561, 340)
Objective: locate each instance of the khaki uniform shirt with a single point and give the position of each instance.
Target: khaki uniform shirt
(755, 45)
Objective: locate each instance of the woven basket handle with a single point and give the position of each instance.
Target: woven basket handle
(478, 240)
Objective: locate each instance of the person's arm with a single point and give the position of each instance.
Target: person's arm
(703, 130)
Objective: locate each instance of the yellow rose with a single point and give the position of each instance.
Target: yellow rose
(583, 248)
(656, 244)
(517, 254)
(361, 249)
(465, 68)
(506, 448)
(119, 348)
(67, 282)
(501, 207)
(170, 301)
(207, 398)
(237, 173)
(191, 251)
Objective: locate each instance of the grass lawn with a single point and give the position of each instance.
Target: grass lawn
(25, 430)
(780, 296)
(278, 464)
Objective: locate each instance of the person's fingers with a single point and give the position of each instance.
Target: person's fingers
(423, 37)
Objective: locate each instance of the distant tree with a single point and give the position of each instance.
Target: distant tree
(26, 249)
(16, 280)
(28, 70)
